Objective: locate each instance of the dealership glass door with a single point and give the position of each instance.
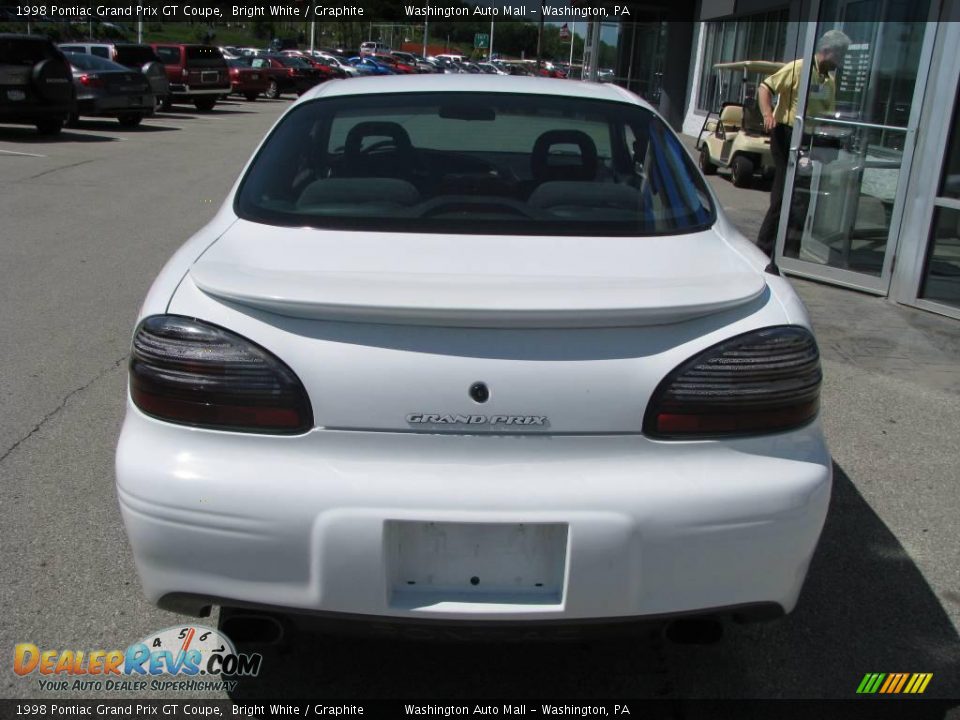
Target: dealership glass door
(848, 167)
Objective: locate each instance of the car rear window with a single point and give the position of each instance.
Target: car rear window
(468, 163)
(23, 51)
(135, 54)
(198, 56)
(92, 62)
(169, 55)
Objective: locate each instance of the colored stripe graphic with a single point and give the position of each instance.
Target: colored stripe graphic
(894, 683)
(918, 683)
(903, 680)
(891, 680)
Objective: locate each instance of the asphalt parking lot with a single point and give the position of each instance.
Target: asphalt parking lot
(89, 218)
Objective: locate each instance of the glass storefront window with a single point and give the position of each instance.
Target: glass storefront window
(950, 182)
(753, 37)
(846, 201)
(941, 279)
(941, 282)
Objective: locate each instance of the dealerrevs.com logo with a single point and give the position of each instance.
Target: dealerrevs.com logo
(190, 657)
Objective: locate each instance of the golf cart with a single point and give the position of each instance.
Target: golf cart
(734, 137)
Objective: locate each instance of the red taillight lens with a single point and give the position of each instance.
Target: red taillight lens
(91, 80)
(764, 381)
(193, 373)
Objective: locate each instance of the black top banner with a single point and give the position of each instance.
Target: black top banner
(636, 709)
(412, 11)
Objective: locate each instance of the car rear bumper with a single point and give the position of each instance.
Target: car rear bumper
(255, 86)
(462, 528)
(195, 90)
(110, 106)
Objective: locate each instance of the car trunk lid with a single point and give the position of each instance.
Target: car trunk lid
(476, 281)
(390, 332)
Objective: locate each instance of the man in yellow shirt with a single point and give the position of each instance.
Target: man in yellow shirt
(821, 96)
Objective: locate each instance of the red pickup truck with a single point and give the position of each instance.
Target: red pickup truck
(197, 74)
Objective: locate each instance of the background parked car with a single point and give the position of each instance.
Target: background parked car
(417, 62)
(329, 71)
(491, 69)
(36, 85)
(246, 80)
(277, 78)
(287, 74)
(399, 67)
(340, 62)
(369, 66)
(131, 55)
(197, 74)
(108, 89)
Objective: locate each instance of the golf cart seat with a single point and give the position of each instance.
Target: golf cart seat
(731, 117)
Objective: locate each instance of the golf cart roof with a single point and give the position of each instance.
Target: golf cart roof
(767, 67)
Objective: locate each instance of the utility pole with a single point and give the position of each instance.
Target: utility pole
(313, 32)
(426, 25)
(540, 43)
(490, 49)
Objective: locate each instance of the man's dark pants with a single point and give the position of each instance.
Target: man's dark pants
(779, 146)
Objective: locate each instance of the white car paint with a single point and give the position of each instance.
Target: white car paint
(577, 330)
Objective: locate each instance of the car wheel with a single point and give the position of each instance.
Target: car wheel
(205, 104)
(251, 96)
(742, 168)
(273, 90)
(49, 126)
(130, 119)
(706, 167)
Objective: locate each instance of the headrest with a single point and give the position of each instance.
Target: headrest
(375, 128)
(563, 167)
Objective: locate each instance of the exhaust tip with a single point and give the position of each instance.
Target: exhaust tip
(695, 631)
(253, 629)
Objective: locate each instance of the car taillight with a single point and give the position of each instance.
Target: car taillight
(190, 372)
(91, 80)
(763, 381)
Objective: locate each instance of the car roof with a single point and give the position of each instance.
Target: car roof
(476, 83)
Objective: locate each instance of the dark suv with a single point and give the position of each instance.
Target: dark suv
(36, 84)
(197, 73)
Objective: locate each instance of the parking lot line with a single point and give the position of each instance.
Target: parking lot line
(11, 152)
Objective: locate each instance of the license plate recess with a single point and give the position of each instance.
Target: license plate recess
(507, 563)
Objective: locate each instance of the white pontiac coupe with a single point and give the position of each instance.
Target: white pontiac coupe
(473, 350)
